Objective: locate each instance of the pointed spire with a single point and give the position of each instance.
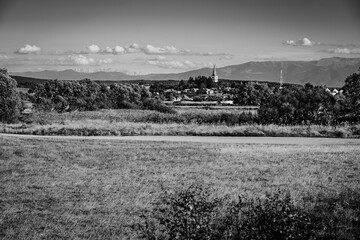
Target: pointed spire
(214, 71)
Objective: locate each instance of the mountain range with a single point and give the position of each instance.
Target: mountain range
(331, 72)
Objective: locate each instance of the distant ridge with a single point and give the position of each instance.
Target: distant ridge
(328, 71)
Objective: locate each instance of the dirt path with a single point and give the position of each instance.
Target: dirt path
(241, 140)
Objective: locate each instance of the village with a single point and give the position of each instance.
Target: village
(209, 93)
(212, 92)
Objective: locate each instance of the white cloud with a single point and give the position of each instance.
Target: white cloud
(27, 49)
(305, 42)
(290, 42)
(136, 48)
(301, 42)
(119, 49)
(108, 50)
(343, 51)
(167, 50)
(105, 61)
(93, 48)
(133, 48)
(90, 49)
(171, 50)
(80, 60)
(163, 62)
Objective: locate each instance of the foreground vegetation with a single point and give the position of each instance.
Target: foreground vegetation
(146, 122)
(91, 189)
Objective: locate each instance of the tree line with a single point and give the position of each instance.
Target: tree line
(82, 95)
(310, 104)
(87, 95)
(293, 104)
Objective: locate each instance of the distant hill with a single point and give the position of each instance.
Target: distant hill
(328, 71)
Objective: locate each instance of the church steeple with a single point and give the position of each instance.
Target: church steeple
(281, 79)
(214, 71)
(214, 76)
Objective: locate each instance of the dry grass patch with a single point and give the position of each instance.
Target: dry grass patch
(94, 188)
(145, 122)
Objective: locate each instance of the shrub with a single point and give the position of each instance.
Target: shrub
(128, 105)
(337, 216)
(157, 105)
(185, 214)
(193, 214)
(275, 217)
(10, 102)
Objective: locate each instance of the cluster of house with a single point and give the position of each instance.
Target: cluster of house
(334, 91)
(197, 96)
(27, 107)
(191, 97)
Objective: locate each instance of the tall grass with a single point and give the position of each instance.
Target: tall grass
(146, 122)
(131, 115)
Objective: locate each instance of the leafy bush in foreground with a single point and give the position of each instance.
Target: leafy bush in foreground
(193, 214)
(10, 102)
(187, 214)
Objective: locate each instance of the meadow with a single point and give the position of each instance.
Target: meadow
(96, 189)
(198, 122)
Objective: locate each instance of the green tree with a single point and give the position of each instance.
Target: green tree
(10, 102)
(352, 97)
(209, 82)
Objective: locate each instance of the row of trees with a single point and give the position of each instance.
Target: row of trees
(313, 104)
(307, 104)
(83, 95)
(200, 82)
(87, 95)
(250, 93)
(294, 104)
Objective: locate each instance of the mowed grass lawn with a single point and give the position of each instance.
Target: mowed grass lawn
(93, 189)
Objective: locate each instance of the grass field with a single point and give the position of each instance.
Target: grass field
(198, 122)
(92, 189)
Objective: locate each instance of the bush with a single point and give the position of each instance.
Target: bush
(10, 102)
(337, 216)
(186, 214)
(192, 214)
(157, 105)
(275, 217)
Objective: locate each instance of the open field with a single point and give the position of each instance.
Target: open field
(198, 122)
(233, 108)
(53, 188)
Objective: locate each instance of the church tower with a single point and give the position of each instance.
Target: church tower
(281, 79)
(214, 76)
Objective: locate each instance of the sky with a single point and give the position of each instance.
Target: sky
(163, 36)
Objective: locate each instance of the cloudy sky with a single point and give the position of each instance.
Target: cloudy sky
(144, 36)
